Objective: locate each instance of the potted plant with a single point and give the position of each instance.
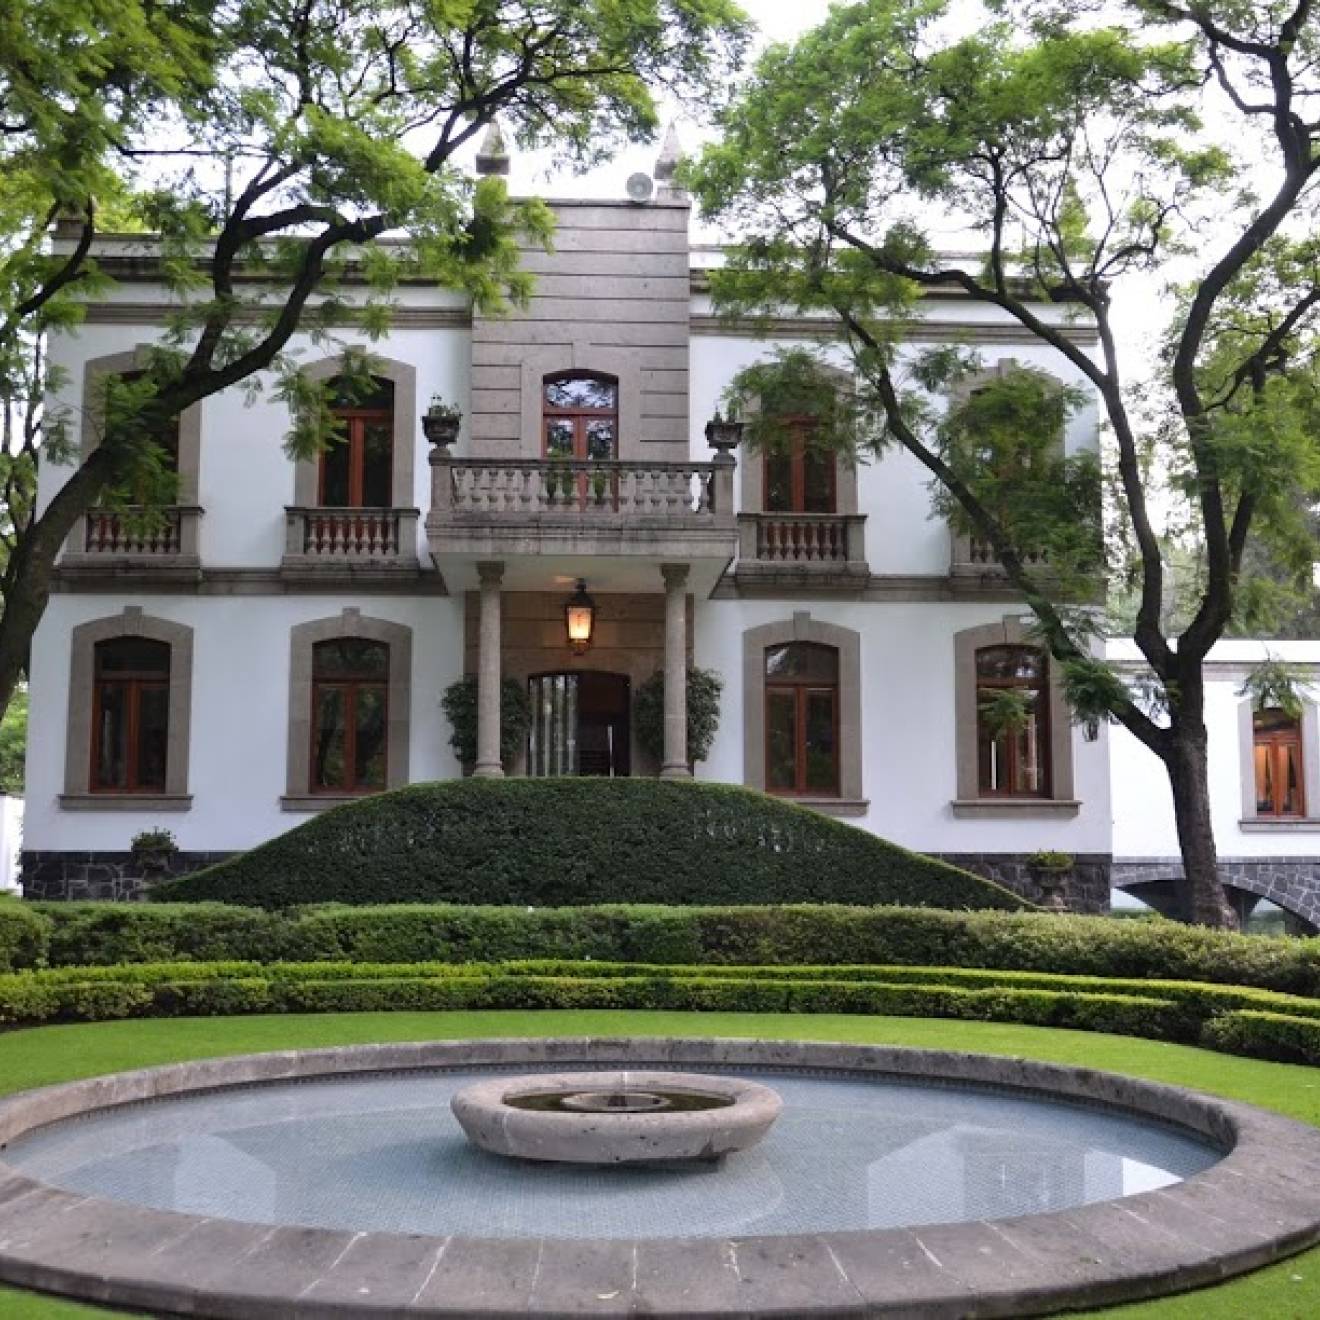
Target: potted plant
(441, 421)
(600, 483)
(1050, 872)
(459, 703)
(703, 713)
(153, 851)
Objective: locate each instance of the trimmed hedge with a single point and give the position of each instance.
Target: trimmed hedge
(581, 841)
(1264, 1035)
(24, 935)
(71, 933)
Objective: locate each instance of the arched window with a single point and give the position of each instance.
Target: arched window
(1012, 722)
(1277, 755)
(800, 475)
(350, 715)
(581, 416)
(166, 433)
(357, 471)
(802, 719)
(130, 715)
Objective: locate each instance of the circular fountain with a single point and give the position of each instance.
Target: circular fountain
(616, 1117)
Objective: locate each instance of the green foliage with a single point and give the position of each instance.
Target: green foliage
(459, 704)
(1275, 685)
(1050, 860)
(1017, 948)
(703, 713)
(13, 743)
(154, 841)
(577, 841)
(1265, 1035)
(1003, 710)
(24, 936)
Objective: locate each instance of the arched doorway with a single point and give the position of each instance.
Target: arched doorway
(580, 724)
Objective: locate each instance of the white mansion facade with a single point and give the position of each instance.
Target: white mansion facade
(283, 642)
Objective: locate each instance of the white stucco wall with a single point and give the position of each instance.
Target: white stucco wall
(1142, 802)
(909, 766)
(240, 712)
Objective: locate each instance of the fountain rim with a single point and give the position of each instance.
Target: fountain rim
(1258, 1203)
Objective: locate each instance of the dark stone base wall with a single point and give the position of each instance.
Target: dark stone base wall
(1086, 890)
(1293, 883)
(101, 875)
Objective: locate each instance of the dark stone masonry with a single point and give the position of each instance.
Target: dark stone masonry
(1293, 883)
(118, 875)
(1085, 890)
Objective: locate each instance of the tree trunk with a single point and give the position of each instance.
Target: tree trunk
(1202, 896)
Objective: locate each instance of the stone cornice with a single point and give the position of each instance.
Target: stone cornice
(913, 331)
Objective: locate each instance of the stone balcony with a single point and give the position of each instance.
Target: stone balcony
(973, 557)
(825, 550)
(318, 541)
(487, 508)
(115, 540)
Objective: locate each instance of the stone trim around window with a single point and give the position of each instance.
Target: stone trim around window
(1251, 821)
(78, 795)
(803, 628)
(751, 466)
(1009, 632)
(92, 414)
(622, 364)
(407, 423)
(303, 637)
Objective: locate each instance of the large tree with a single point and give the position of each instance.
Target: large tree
(278, 138)
(1098, 152)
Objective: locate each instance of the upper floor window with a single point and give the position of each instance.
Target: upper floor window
(581, 416)
(165, 434)
(801, 476)
(350, 715)
(802, 719)
(130, 716)
(1012, 722)
(357, 471)
(1277, 755)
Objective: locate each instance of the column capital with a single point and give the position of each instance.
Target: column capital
(490, 572)
(674, 575)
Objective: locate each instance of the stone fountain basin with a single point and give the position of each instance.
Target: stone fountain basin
(599, 1136)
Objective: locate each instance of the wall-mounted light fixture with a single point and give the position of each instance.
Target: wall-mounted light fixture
(580, 618)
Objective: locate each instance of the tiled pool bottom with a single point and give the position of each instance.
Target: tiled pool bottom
(382, 1152)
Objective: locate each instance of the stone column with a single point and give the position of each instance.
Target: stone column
(489, 765)
(675, 761)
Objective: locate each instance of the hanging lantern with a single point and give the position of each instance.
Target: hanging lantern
(580, 618)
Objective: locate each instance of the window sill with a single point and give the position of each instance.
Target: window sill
(831, 806)
(319, 801)
(1014, 807)
(1286, 824)
(125, 801)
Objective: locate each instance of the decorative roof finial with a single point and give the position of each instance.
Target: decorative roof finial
(493, 155)
(671, 152)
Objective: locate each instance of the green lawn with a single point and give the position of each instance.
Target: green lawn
(1288, 1291)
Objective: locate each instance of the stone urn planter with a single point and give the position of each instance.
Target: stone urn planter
(152, 852)
(440, 423)
(1050, 873)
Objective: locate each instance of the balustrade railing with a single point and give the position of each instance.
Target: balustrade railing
(341, 535)
(816, 541)
(580, 489)
(132, 532)
(972, 554)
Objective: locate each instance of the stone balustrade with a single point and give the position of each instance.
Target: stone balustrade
(585, 490)
(350, 535)
(972, 555)
(805, 538)
(165, 536)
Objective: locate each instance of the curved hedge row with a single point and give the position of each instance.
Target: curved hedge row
(575, 841)
(1238, 1020)
(63, 934)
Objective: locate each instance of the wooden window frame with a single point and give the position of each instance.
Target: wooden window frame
(800, 430)
(580, 417)
(802, 689)
(1275, 740)
(1044, 743)
(134, 684)
(350, 685)
(356, 421)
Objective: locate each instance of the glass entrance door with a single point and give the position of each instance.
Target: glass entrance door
(579, 724)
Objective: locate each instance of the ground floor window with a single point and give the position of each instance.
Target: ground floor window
(1277, 756)
(350, 715)
(131, 716)
(1012, 722)
(580, 724)
(802, 718)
